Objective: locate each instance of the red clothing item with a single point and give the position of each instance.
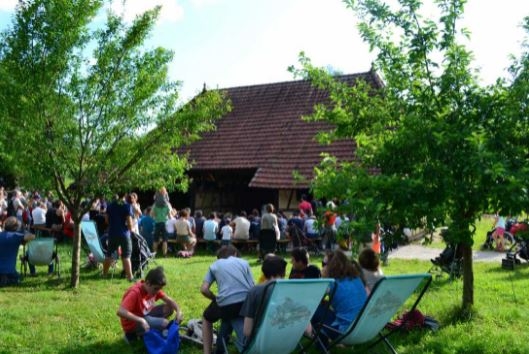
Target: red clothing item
(330, 218)
(305, 207)
(137, 301)
(67, 226)
(376, 243)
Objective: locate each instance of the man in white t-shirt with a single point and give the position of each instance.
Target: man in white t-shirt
(241, 227)
(39, 214)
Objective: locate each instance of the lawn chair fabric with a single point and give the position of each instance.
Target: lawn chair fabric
(283, 317)
(91, 237)
(387, 297)
(40, 251)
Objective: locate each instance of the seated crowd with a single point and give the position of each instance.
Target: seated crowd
(237, 298)
(234, 303)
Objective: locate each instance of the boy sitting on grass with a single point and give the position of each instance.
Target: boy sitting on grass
(138, 310)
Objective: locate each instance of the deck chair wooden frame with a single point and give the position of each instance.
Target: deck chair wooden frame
(89, 231)
(386, 298)
(284, 313)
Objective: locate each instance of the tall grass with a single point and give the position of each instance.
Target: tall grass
(43, 315)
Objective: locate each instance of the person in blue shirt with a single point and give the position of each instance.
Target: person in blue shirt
(349, 295)
(10, 241)
(120, 224)
(233, 277)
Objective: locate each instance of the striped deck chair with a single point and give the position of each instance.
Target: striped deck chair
(91, 237)
(387, 297)
(283, 315)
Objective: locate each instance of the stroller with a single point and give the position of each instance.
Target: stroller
(141, 254)
(450, 260)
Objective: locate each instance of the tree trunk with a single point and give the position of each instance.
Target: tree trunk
(468, 277)
(76, 256)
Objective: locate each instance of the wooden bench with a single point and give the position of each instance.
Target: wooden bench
(282, 245)
(242, 245)
(245, 245)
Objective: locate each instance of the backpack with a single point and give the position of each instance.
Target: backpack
(166, 342)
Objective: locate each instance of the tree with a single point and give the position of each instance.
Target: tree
(434, 148)
(88, 111)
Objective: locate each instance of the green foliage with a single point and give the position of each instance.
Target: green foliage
(89, 111)
(434, 148)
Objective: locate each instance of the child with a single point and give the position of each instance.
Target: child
(170, 225)
(301, 269)
(370, 263)
(138, 311)
(226, 232)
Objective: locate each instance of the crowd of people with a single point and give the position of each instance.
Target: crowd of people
(236, 300)
(234, 303)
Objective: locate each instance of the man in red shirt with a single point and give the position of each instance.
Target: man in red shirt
(304, 205)
(138, 310)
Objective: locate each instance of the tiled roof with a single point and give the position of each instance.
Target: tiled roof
(264, 131)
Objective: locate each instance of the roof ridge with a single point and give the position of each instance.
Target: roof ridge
(282, 83)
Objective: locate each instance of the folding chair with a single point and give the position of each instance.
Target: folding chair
(89, 231)
(41, 251)
(284, 313)
(387, 296)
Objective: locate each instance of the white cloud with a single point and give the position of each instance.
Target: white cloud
(171, 11)
(8, 5)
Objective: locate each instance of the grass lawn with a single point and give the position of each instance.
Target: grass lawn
(44, 316)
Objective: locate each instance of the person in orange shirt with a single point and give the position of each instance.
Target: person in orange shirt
(376, 245)
(329, 227)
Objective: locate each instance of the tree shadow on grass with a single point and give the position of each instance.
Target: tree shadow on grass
(518, 273)
(120, 346)
(109, 347)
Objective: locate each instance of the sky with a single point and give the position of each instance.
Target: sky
(227, 43)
